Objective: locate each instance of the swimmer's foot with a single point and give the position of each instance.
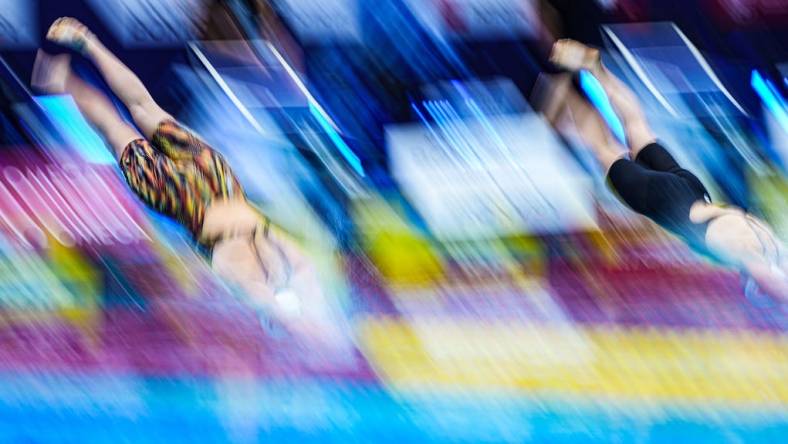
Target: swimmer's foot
(50, 73)
(70, 32)
(575, 56)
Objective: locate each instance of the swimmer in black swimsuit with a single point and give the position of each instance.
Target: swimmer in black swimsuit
(650, 181)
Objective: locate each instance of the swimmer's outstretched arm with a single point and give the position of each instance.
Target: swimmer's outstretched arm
(573, 117)
(575, 56)
(53, 74)
(147, 114)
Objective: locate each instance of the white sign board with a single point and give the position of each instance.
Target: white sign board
(505, 175)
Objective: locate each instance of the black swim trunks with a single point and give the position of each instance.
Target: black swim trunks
(655, 186)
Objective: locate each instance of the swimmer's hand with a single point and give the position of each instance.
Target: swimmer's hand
(71, 33)
(574, 56)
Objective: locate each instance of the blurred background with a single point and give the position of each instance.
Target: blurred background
(481, 283)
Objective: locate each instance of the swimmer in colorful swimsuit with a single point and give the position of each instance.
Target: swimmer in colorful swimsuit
(175, 172)
(650, 181)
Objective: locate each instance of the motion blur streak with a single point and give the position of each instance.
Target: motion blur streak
(469, 273)
(768, 93)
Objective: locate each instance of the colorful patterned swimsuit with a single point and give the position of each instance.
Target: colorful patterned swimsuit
(178, 174)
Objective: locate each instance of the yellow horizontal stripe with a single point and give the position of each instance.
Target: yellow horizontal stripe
(641, 363)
